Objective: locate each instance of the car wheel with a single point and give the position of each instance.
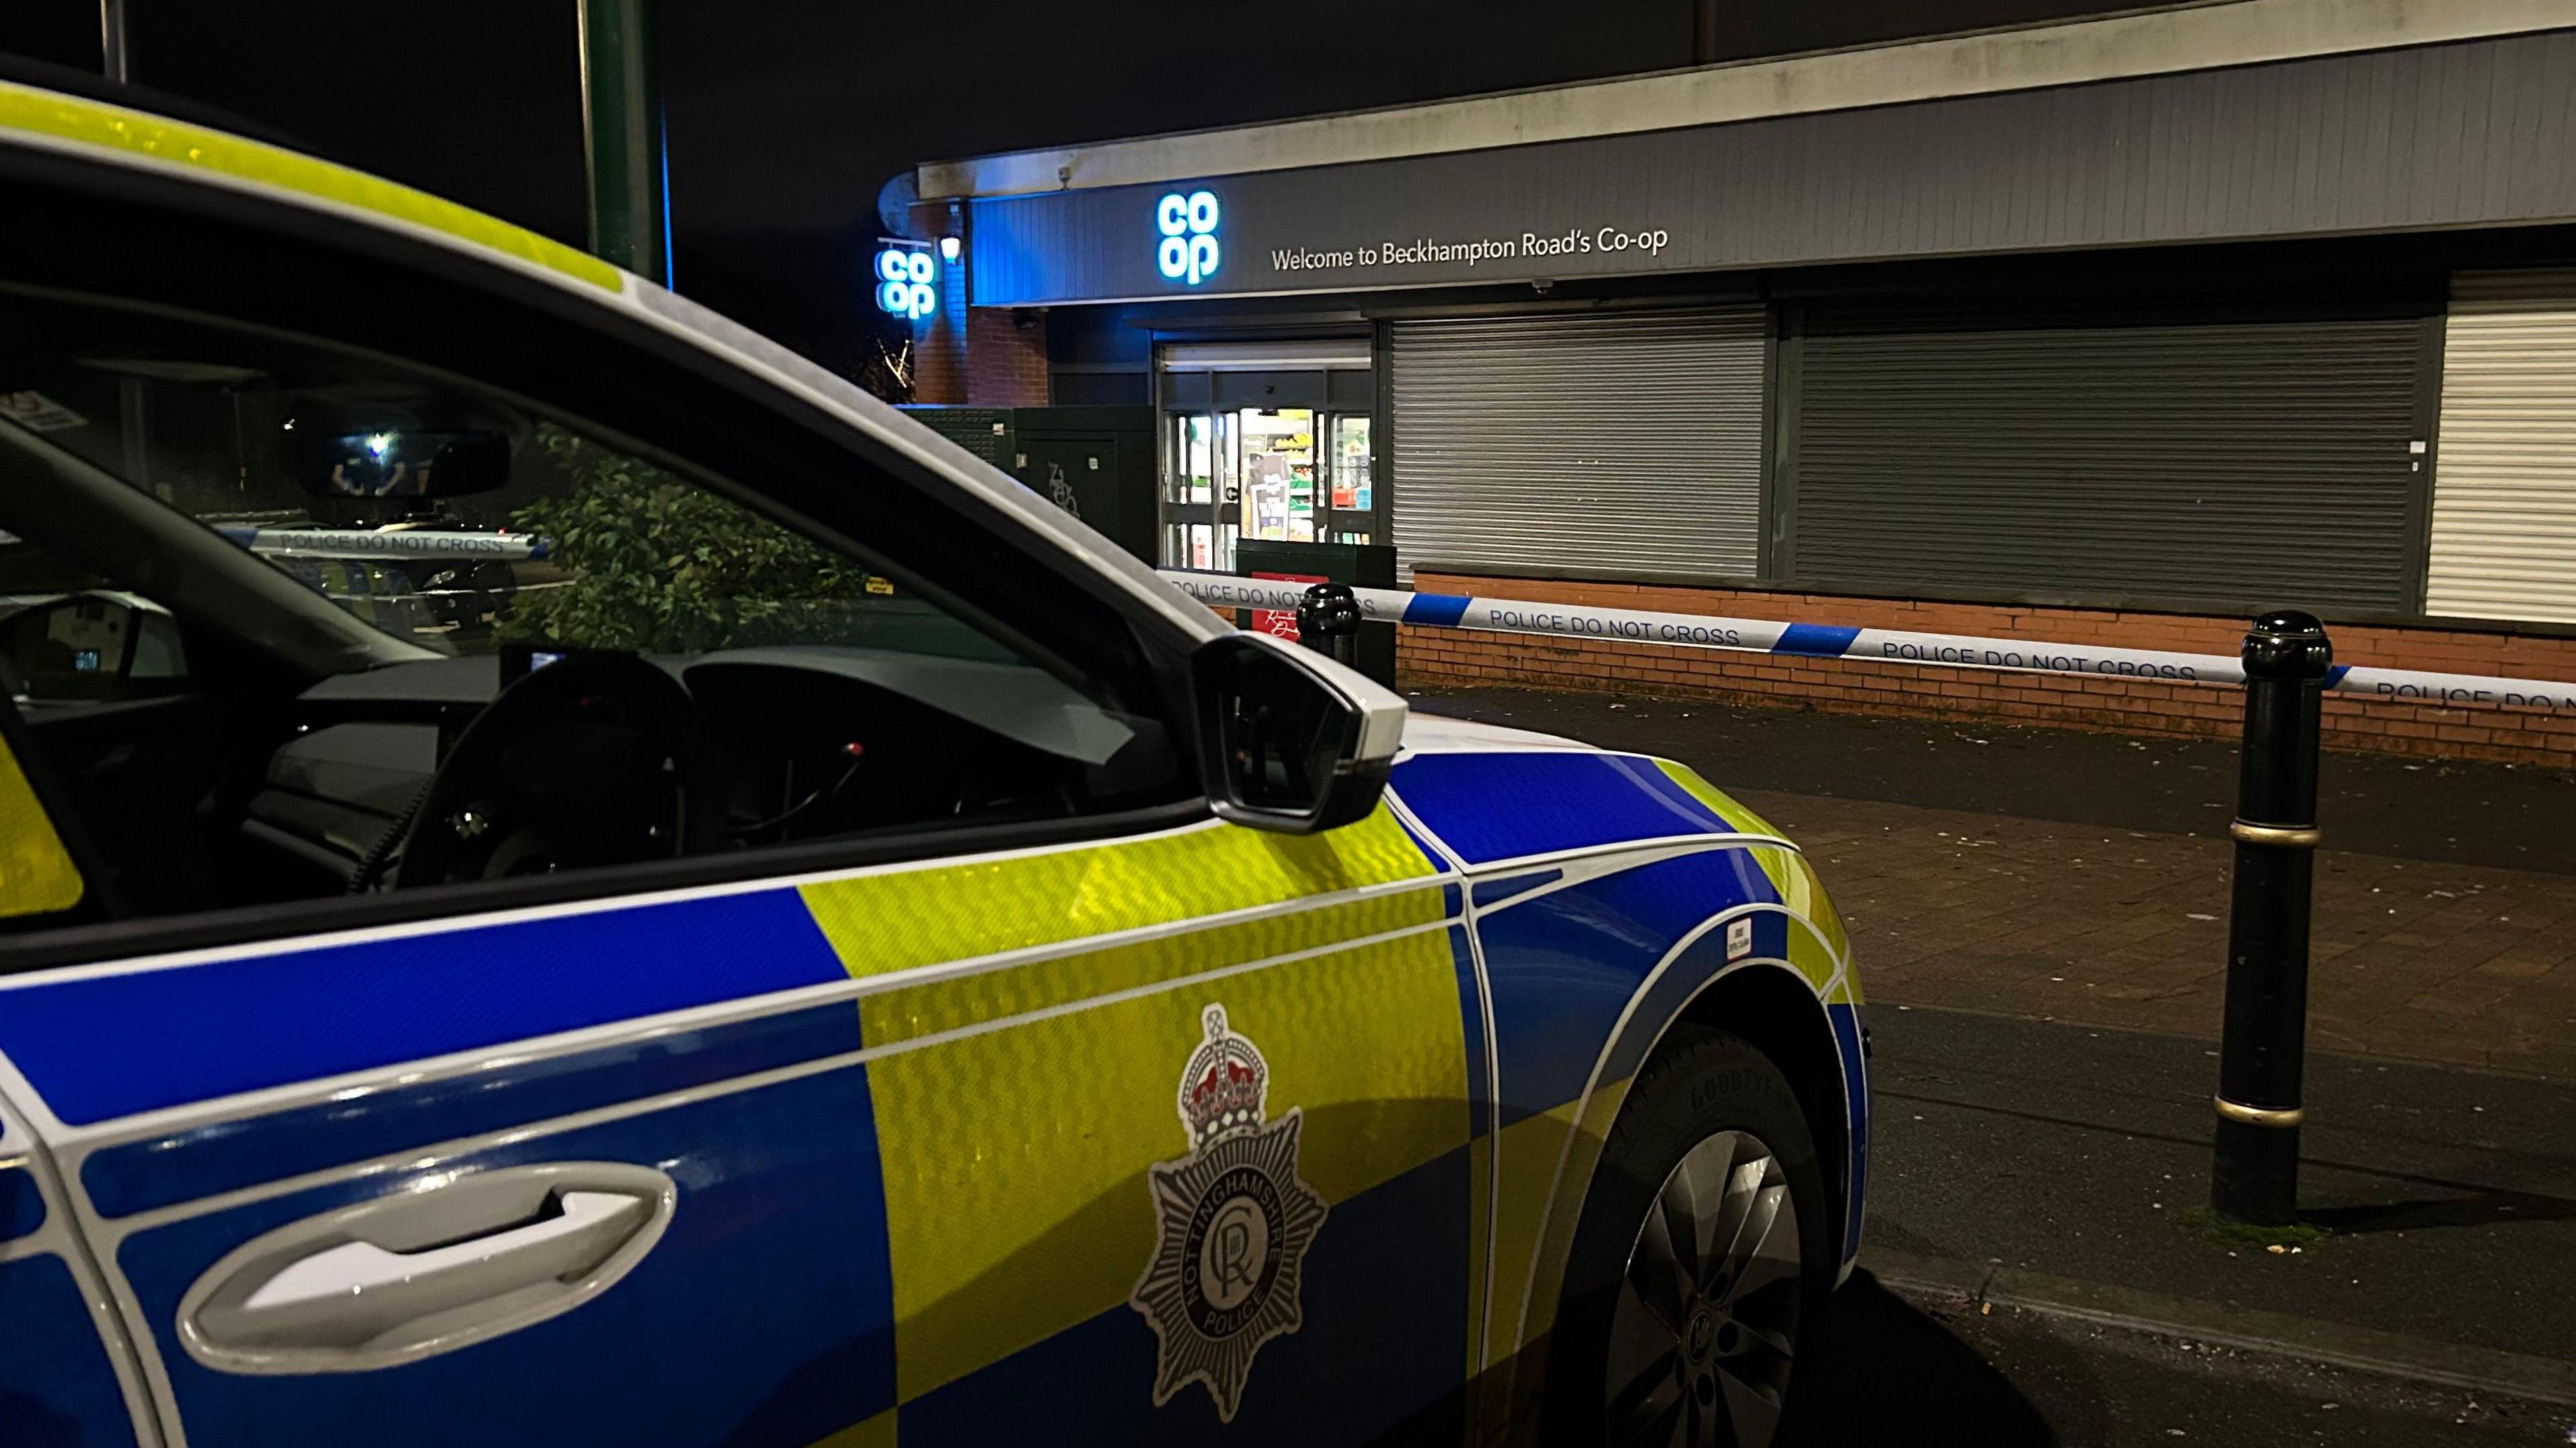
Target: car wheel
(1702, 1261)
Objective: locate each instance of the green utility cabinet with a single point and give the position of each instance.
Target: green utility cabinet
(1361, 565)
(1096, 463)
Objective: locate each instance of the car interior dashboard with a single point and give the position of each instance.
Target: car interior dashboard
(536, 760)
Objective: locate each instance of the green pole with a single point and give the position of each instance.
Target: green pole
(621, 113)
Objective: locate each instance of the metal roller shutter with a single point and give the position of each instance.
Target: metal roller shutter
(1598, 446)
(2219, 465)
(2504, 491)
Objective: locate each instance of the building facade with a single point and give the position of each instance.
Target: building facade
(2113, 331)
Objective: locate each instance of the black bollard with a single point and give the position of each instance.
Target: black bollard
(2254, 1166)
(1328, 621)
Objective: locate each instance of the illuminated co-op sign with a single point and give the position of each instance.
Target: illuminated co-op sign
(1188, 224)
(907, 281)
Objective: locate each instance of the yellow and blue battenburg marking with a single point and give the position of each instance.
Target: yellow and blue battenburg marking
(1575, 948)
(966, 1205)
(928, 1210)
(1018, 1206)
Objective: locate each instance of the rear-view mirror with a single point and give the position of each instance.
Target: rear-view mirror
(402, 463)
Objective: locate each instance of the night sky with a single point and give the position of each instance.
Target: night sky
(786, 116)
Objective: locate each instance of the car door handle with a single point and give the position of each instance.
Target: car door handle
(362, 1281)
(420, 1272)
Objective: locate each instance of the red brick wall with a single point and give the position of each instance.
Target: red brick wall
(1429, 656)
(1006, 362)
(939, 359)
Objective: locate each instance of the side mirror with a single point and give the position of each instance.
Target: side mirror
(93, 645)
(1293, 741)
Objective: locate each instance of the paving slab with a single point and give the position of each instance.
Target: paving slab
(2511, 817)
(2075, 1152)
(1932, 1372)
(2078, 877)
(2416, 960)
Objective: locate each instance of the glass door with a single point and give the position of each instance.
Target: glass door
(1250, 472)
(1189, 507)
(1279, 466)
(1230, 506)
(1351, 512)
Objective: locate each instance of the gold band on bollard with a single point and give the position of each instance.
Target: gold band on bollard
(2295, 837)
(2258, 1116)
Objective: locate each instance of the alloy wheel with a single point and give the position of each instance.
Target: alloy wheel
(1706, 1322)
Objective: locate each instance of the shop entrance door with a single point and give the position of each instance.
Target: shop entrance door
(1352, 511)
(1277, 459)
(1286, 474)
(1202, 498)
(1265, 439)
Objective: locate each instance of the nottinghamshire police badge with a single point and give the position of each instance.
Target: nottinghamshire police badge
(1236, 1222)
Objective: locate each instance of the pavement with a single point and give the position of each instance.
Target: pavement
(2084, 877)
(2505, 816)
(2039, 919)
(1898, 1371)
(2074, 1152)
(2028, 1275)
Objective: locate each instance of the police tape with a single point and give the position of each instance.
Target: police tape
(387, 543)
(1834, 641)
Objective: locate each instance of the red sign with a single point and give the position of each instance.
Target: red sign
(1282, 622)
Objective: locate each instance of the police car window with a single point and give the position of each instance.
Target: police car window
(454, 523)
(502, 645)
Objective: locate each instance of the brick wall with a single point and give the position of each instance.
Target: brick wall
(1006, 362)
(939, 359)
(1428, 656)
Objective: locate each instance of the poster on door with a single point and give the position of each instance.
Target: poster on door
(1279, 621)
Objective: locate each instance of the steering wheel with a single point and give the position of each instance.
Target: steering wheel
(591, 760)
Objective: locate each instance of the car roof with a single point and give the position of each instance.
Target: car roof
(50, 119)
(38, 118)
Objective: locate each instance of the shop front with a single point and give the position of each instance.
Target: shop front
(1893, 339)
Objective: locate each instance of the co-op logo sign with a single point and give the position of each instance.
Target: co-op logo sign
(907, 280)
(1188, 252)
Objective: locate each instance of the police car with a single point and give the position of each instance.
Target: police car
(815, 948)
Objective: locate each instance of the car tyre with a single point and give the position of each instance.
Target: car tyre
(1702, 1262)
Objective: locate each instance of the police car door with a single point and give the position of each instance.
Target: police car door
(1127, 1122)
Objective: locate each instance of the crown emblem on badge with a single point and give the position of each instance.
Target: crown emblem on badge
(1226, 1085)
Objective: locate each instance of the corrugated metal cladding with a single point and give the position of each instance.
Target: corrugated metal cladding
(2246, 464)
(1599, 445)
(2504, 490)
